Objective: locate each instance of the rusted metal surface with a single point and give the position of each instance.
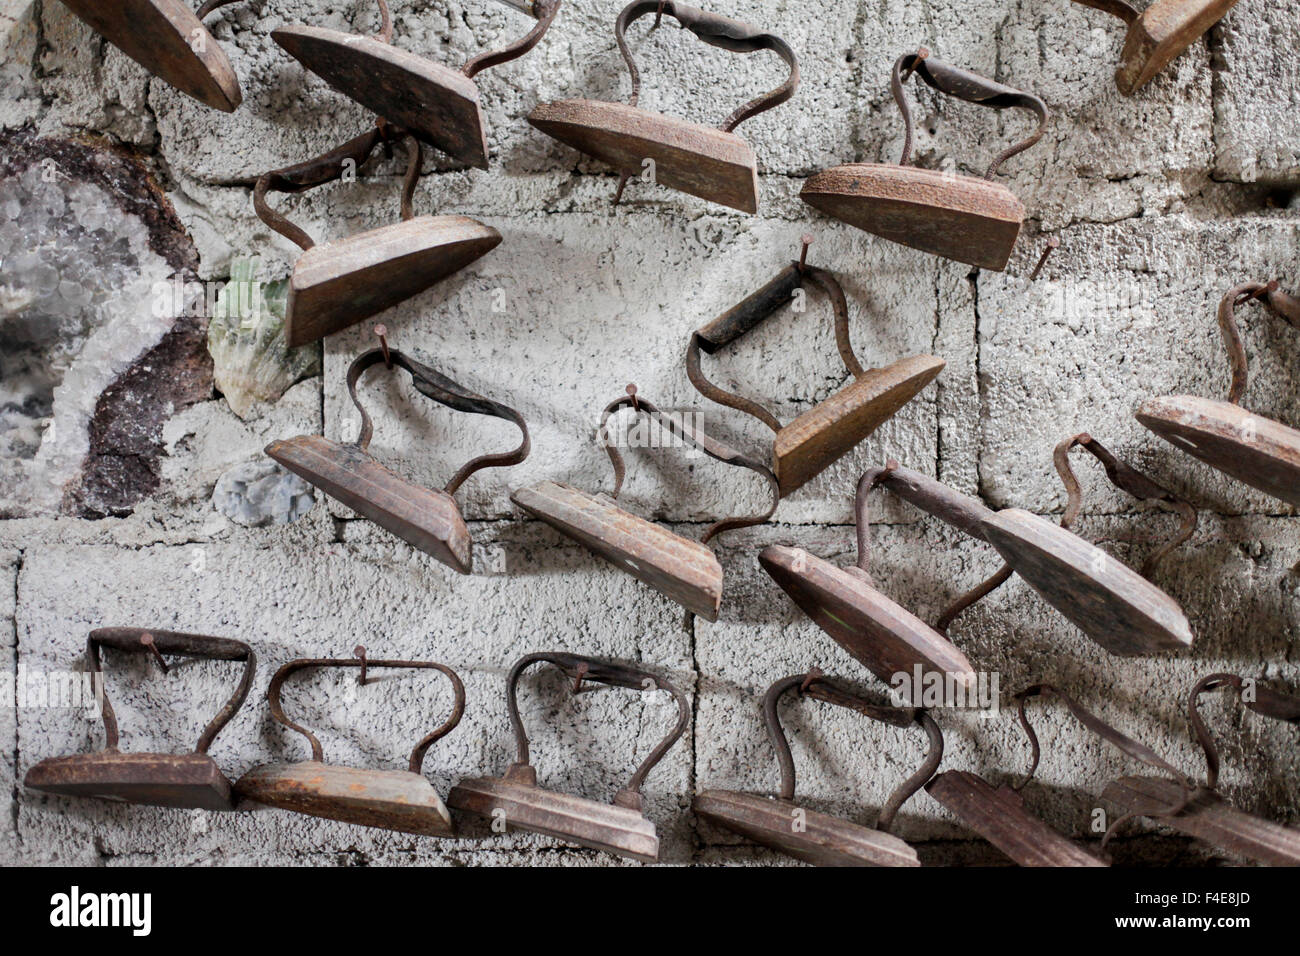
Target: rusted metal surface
(426, 518)
(807, 835)
(998, 814)
(1110, 602)
(339, 283)
(434, 102)
(970, 220)
(845, 603)
(620, 828)
(170, 41)
(401, 800)
(1251, 448)
(825, 433)
(711, 163)
(1158, 34)
(685, 571)
(1205, 815)
(190, 780)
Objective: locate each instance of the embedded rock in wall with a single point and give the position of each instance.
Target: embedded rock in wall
(92, 359)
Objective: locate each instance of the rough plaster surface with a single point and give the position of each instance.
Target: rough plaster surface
(1160, 202)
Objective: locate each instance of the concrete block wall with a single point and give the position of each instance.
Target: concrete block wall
(1161, 202)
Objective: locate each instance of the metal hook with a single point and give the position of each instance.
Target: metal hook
(805, 241)
(1053, 243)
(382, 332)
(659, 15)
(622, 184)
(148, 641)
(814, 674)
(583, 669)
(360, 652)
(921, 54)
(631, 392)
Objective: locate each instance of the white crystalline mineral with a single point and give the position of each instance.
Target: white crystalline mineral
(246, 339)
(77, 278)
(260, 493)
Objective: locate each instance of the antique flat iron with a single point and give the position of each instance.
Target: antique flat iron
(1114, 605)
(187, 781)
(341, 282)
(845, 603)
(714, 164)
(1263, 453)
(621, 827)
(686, 571)
(998, 813)
(169, 40)
(825, 433)
(1204, 814)
(401, 800)
(424, 518)
(438, 104)
(971, 220)
(1158, 34)
(807, 835)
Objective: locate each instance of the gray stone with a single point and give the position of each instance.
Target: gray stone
(260, 493)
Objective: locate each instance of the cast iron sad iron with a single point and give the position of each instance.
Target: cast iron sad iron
(998, 813)
(825, 433)
(1114, 605)
(169, 40)
(1203, 813)
(401, 800)
(621, 827)
(1158, 34)
(844, 602)
(1263, 453)
(342, 282)
(424, 518)
(438, 104)
(713, 164)
(188, 781)
(686, 571)
(807, 835)
(971, 220)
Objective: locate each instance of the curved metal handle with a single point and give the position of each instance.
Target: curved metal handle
(1286, 306)
(1266, 702)
(327, 168)
(954, 81)
(722, 32)
(938, 500)
(814, 684)
(543, 11)
(696, 438)
(1126, 479)
(1116, 8)
(582, 668)
(139, 640)
(434, 385)
(212, 6)
(751, 311)
(1124, 743)
(416, 762)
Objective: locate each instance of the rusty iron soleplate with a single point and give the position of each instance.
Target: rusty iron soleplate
(1164, 30)
(998, 814)
(699, 160)
(599, 826)
(437, 104)
(820, 839)
(425, 518)
(160, 35)
(820, 436)
(342, 282)
(886, 638)
(1105, 598)
(1210, 818)
(684, 570)
(188, 781)
(1259, 451)
(387, 799)
(959, 217)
